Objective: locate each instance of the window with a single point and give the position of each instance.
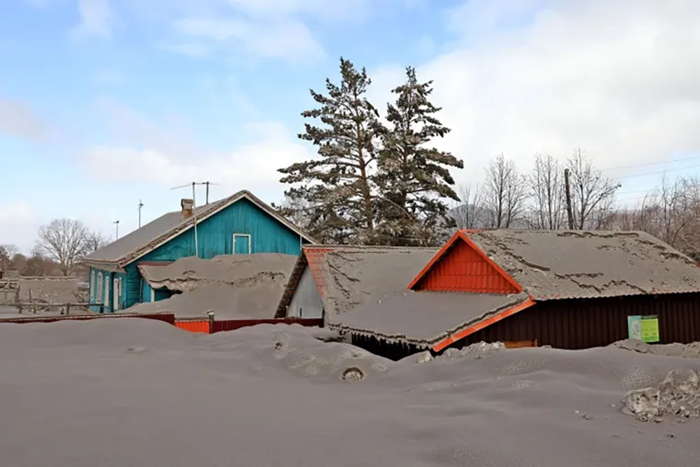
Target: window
(118, 293)
(241, 244)
(92, 285)
(98, 299)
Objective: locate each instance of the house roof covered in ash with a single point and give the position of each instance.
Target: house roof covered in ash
(581, 264)
(423, 319)
(234, 270)
(157, 232)
(231, 286)
(348, 276)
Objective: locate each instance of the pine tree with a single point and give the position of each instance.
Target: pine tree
(413, 178)
(337, 186)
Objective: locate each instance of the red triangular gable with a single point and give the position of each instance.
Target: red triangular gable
(460, 266)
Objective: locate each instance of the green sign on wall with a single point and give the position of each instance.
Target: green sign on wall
(643, 328)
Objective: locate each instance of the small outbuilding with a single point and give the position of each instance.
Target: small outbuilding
(566, 289)
(331, 280)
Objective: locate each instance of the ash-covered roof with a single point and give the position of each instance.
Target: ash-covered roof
(232, 286)
(348, 276)
(234, 270)
(581, 264)
(227, 302)
(141, 241)
(422, 318)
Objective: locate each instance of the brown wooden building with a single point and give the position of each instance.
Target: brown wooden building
(570, 290)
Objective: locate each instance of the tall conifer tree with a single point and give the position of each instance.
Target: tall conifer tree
(413, 178)
(337, 186)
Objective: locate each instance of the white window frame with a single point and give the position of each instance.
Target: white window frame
(107, 287)
(93, 284)
(100, 289)
(250, 242)
(153, 295)
(117, 291)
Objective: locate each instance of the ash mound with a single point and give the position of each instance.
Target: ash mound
(124, 392)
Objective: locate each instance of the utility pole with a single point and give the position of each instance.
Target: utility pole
(569, 211)
(140, 206)
(116, 223)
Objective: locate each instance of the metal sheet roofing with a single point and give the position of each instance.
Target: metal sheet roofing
(348, 276)
(580, 264)
(422, 318)
(141, 241)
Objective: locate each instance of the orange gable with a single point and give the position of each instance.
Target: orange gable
(461, 267)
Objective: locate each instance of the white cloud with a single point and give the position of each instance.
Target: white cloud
(619, 82)
(19, 224)
(166, 155)
(279, 38)
(128, 126)
(96, 19)
(275, 28)
(253, 166)
(19, 120)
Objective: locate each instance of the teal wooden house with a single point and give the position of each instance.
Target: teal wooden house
(239, 224)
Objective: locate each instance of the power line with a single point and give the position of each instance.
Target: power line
(657, 173)
(633, 166)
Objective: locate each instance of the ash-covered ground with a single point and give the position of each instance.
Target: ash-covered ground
(143, 393)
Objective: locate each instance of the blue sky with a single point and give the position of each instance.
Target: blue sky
(106, 102)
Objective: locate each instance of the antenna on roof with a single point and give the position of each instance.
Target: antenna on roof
(194, 209)
(117, 224)
(140, 206)
(207, 185)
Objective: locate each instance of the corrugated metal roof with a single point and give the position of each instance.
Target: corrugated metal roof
(155, 233)
(348, 276)
(422, 318)
(580, 264)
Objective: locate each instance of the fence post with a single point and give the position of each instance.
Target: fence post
(210, 314)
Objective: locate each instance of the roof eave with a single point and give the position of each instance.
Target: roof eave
(215, 208)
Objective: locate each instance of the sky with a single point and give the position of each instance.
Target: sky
(106, 103)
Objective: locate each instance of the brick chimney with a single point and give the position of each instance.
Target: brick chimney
(187, 207)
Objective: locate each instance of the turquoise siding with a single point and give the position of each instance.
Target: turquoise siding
(105, 289)
(145, 292)
(215, 237)
(100, 289)
(160, 294)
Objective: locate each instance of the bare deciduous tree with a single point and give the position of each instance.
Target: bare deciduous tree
(94, 241)
(7, 252)
(63, 240)
(592, 194)
(504, 193)
(547, 188)
(470, 213)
